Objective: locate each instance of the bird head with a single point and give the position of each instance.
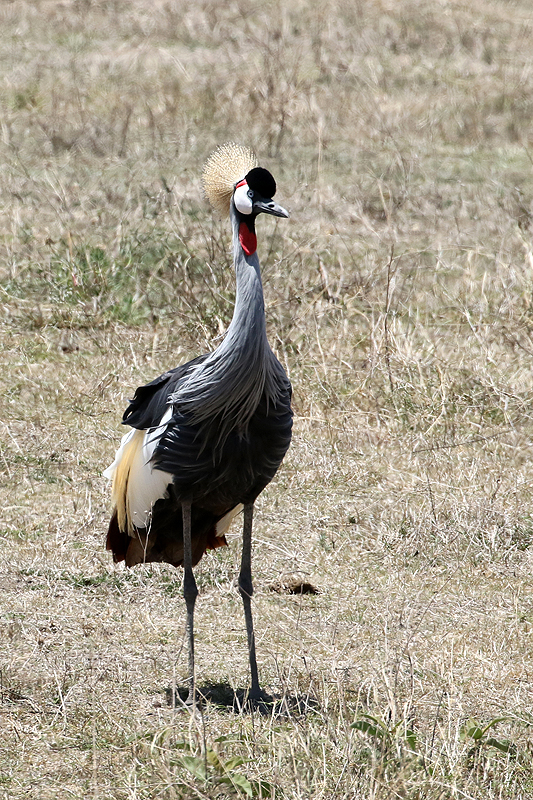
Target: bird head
(231, 175)
(253, 194)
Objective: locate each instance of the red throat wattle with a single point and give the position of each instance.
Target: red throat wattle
(248, 239)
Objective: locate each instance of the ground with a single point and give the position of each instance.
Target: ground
(399, 298)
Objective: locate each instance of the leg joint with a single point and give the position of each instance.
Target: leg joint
(190, 589)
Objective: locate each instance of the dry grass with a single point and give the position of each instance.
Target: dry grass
(399, 296)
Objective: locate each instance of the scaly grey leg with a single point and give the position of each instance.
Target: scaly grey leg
(190, 593)
(246, 590)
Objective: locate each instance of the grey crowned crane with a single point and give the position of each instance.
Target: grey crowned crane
(208, 436)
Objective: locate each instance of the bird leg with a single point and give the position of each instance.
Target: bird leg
(190, 593)
(246, 590)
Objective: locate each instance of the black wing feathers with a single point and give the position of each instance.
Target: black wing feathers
(235, 471)
(214, 475)
(151, 401)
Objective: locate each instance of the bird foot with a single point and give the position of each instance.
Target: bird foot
(182, 697)
(275, 705)
(239, 701)
(257, 700)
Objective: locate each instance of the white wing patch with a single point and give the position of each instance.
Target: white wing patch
(224, 523)
(136, 485)
(109, 473)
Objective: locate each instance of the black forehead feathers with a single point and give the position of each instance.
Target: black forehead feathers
(261, 181)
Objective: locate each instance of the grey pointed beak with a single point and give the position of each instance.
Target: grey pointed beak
(269, 207)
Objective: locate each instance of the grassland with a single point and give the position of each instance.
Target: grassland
(399, 297)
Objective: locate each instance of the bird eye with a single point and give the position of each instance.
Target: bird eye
(250, 193)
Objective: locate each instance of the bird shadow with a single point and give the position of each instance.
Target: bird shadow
(238, 701)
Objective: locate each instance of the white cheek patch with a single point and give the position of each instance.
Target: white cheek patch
(243, 203)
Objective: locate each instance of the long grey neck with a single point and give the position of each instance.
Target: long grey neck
(230, 382)
(246, 336)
